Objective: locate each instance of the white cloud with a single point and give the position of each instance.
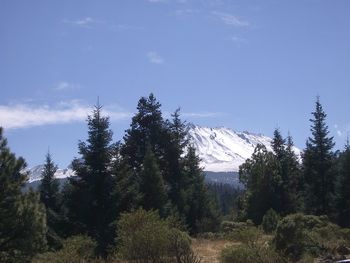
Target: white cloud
(154, 58)
(342, 130)
(201, 114)
(28, 115)
(230, 19)
(61, 86)
(86, 22)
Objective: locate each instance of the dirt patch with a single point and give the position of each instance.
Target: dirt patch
(209, 250)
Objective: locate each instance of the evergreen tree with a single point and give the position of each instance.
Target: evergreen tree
(22, 217)
(278, 145)
(152, 185)
(147, 126)
(127, 183)
(50, 197)
(293, 185)
(201, 212)
(343, 190)
(92, 201)
(287, 197)
(174, 172)
(318, 166)
(261, 178)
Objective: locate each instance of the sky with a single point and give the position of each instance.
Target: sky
(247, 65)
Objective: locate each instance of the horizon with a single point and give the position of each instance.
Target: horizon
(248, 66)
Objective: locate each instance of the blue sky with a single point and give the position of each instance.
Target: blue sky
(249, 65)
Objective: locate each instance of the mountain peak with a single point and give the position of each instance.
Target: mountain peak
(223, 149)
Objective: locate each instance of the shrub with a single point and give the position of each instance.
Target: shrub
(299, 234)
(270, 221)
(144, 237)
(244, 254)
(75, 249)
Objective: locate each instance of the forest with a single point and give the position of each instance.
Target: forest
(144, 199)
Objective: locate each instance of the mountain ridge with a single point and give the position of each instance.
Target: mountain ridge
(220, 149)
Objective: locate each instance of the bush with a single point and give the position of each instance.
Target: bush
(298, 234)
(270, 221)
(244, 254)
(75, 249)
(145, 237)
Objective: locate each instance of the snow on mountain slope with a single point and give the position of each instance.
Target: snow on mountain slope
(224, 150)
(36, 171)
(220, 149)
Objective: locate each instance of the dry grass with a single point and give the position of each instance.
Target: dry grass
(209, 250)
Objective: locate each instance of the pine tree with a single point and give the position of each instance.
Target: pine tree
(174, 174)
(127, 183)
(287, 198)
(261, 178)
(318, 166)
(22, 217)
(343, 190)
(278, 144)
(147, 126)
(201, 211)
(92, 202)
(50, 197)
(152, 185)
(293, 186)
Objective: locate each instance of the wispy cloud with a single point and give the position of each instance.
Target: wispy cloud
(184, 12)
(62, 86)
(86, 22)
(342, 130)
(230, 19)
(154, 58)
(201, 114)
(28, 115)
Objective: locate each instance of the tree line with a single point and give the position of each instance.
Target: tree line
(154, 168)
(317, 184)
(157, 169)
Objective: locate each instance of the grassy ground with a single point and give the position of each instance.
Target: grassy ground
(209, 250)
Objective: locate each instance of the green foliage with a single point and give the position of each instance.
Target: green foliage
(50, 197)
(318, 166)
(22, 217)
(270, 221)
(145, 237)
(253, 248)
(343, 189)
(91, 199)
(299, 234)
(244, 254)
(201, 212)
(260, 176)
(76, 249)
(152, 185)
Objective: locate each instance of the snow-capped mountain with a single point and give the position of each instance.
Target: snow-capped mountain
(224, 150)
(36, 171)
(220, 149)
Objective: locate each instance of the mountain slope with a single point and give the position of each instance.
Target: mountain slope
(220, 149)
(224, 150)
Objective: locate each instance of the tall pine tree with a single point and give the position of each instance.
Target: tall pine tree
(318, 166)
(201, 211)
(50, 197)
(92, 202)
(343, 190)
(152, 184)
(22, 217)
